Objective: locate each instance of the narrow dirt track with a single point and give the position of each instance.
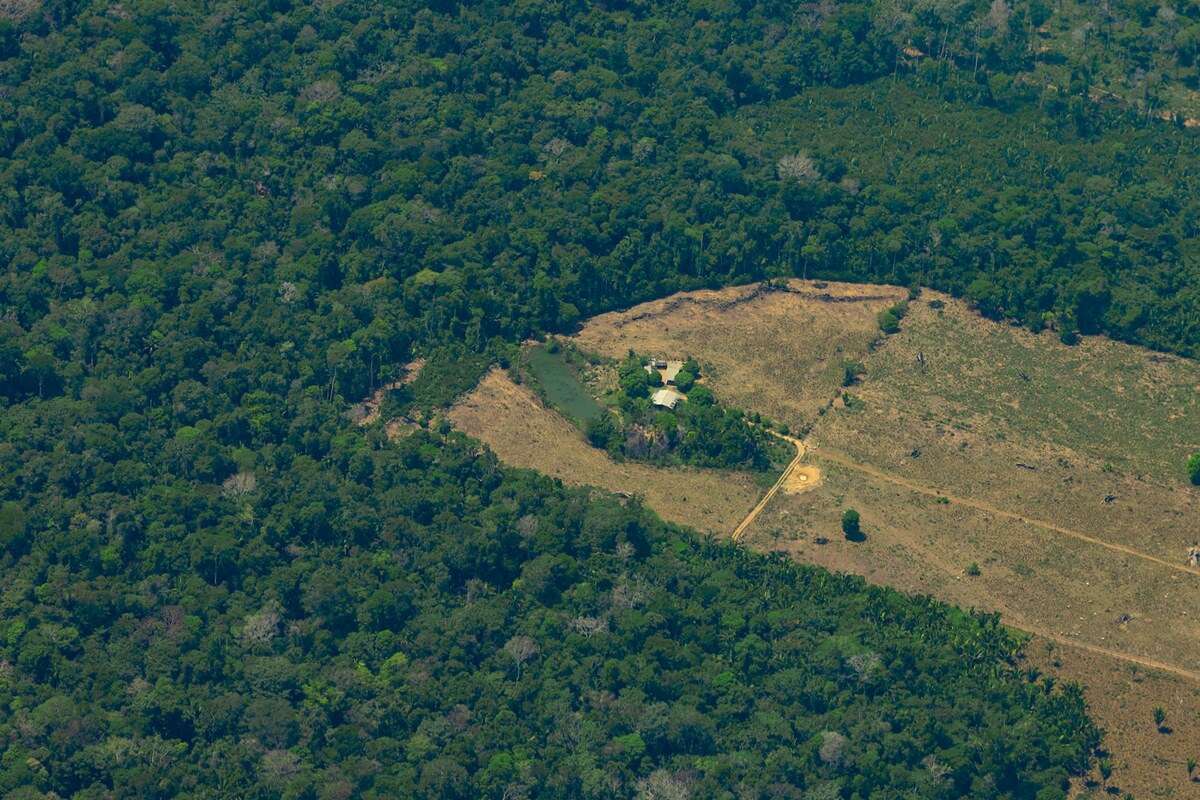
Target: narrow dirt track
(1012, 621)
(740, 530)
(1150, 663)
(979, 505)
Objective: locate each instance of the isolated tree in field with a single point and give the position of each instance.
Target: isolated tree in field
(1193, 468)
(851, 370)
(1160, 717)
(1191, 767)
(520, 649)
(851, 523)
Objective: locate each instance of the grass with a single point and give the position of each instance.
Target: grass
(782, 353)
(525, 433)
(1092, 438)
(557, 379)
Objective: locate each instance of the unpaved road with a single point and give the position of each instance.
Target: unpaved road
(844, 460)
(979, 505)
(740, 530)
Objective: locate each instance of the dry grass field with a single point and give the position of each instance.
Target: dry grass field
(993, 468)
(525, 433)
(1056, 470)
(778, 353)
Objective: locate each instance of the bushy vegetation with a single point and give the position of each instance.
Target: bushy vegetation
(889, 318)
(432, 626)
(221, 223)
(697, 431)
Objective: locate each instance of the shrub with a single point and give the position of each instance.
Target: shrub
(601, 430)
(1193, 468)
(851, 370)
(889, 323)
(851, 523)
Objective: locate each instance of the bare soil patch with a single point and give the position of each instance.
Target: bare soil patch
(802, 479)
(524, 433)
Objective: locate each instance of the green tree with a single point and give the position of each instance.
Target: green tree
(851, 524)
(1193, 468)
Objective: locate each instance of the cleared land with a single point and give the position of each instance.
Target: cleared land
(524, 433)
(780, 353)
(1056, 470)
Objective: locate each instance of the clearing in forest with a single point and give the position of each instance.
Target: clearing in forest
(523, 432)
(781, 353)
(992, 467)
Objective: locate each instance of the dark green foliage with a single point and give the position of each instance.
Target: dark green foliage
(851, 371)
(414, 621)
(223, 223)
(698, 431)
(1193, 468)
(685, 379)
(448, 372)
(851, 524)
(889, 318)
(602, 432)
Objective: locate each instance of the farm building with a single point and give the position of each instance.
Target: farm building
(667, 398)
(666, 370)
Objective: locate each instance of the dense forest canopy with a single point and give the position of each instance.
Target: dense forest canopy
(222, 222)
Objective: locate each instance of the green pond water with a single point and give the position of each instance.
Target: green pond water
(561, 385)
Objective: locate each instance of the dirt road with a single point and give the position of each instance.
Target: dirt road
(979, 505)
(844, 460)
(740, 530)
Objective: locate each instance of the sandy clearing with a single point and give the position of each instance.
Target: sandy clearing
(803, 478)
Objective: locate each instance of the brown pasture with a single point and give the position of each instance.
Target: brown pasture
(1056, 470)
(525, 433)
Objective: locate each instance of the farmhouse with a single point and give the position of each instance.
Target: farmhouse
(667, 398)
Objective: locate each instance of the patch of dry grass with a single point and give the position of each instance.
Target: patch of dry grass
(780, 353)
(524, 433)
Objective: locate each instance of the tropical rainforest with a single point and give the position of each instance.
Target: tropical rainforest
(223, 223)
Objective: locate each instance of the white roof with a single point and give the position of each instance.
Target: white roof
(666, 397)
